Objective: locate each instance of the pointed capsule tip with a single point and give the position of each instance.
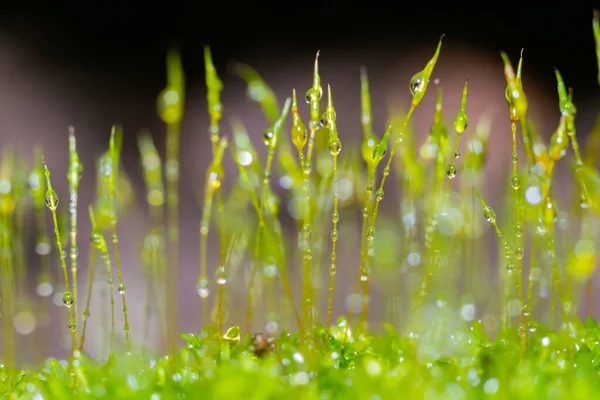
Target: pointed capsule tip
(596, 14)
(467, 78)
(522, 50)
(442, 36)
(317, 56)
(71, 130)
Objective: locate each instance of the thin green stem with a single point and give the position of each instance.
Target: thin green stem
(6, 270)
(203, 290)
(52, 203)
(172, 271)
(222, 256)
(90, 284)
(335, 216)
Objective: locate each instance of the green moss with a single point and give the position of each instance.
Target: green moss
(451, 330)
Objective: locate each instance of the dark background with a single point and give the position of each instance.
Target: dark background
(128, 41)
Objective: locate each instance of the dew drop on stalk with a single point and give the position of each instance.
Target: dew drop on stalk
(309, 95)
(202, 288)
(214, 180)
(222, 278)
(68, 299)
(307, 168)
(72, 325)
(518, 230)
(457, 154)
(371, 234)
(510, 267)
(51, 199)
(451, 171)
(507, 251)
(335, 216)
(379, 194)
(121, 288)
(515, 182)
(332, 269)
(268, 136)
(489, 214)
(334, 235)
(415, 82)
(514, 156)
(386, 171)
(324, 121)
(583, 202)
(106, 167)
(335, 147)
(519, 253)
(170, 106)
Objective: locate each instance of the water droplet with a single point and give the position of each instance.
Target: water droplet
(68, 299)
(533, 195)
(95, 237)
(51, 199)
(507, 250)
(72, 325)
(519, 253)
(105, 167)
(334, 235)
(386, 171)
(379, 194)
(335, 146)
(514, 156)
(457, 154)
(170, 106)
(365, 212)
(416, 83)
(335, 216)
(370, 234)
(221, 280)
(451, 171)
(309, 94)
(202, 288)
(489, 214)
(518, 230)
(510, 267)
(461, 122)
(307, 168)
(515, 182)
(204, 228)
(324, 121)
(583, 203)
(268, 136)
(121, 288)
(332, 269)
(364, 277)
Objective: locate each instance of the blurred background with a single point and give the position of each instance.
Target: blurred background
(74, 63)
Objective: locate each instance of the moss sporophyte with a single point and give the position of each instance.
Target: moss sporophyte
(463, 319)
